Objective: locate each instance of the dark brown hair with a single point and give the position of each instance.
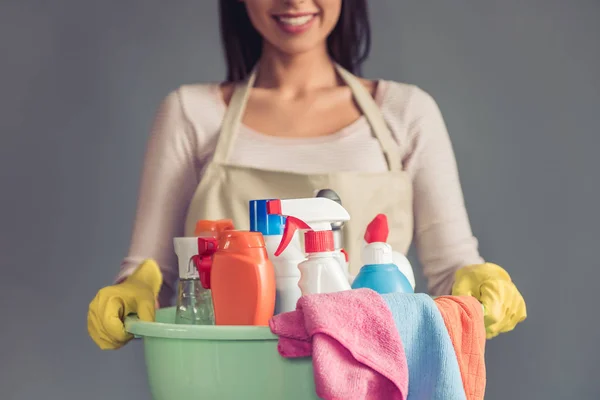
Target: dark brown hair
(349, 43)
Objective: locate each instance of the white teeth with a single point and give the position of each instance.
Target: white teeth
(296, 21)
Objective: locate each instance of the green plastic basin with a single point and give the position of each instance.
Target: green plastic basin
(186, 362)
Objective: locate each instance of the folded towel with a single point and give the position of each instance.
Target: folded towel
(356, 349)
(432, 365)
(463, 317)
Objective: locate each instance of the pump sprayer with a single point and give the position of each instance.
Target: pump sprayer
(291, 225)
(287, 273)
(319, 213)
(321, 272)
(338, 235)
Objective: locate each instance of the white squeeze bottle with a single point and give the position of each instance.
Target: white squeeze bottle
(287, 273)
(319, 213)
(379, 226)
(321, 272)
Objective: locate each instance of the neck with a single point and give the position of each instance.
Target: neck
(296, 74)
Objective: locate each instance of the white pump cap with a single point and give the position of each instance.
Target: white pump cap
(377, 253)
(186, 248)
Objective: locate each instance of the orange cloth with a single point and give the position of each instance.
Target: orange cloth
(463, 316)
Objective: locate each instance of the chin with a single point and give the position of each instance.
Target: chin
(293, 49)
(300, 44)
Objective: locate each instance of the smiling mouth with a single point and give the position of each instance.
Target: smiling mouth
(294, 20)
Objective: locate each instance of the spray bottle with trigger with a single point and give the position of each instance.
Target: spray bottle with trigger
(321, 272)
(336, 228)
(287, 274)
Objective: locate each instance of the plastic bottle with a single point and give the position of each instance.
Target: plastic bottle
(398, 258)
(194, 302)
(287, 273)
(336, 228)
(319, 213)
(321, 272)
(379, 272)
(207, 228)
(242, 279)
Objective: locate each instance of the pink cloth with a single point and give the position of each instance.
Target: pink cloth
(356, 349)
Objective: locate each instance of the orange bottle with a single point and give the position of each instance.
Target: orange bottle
(210, 228)
(242, 280)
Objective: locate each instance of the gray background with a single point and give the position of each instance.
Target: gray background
(518, 83)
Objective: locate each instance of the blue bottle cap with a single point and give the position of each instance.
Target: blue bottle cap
(262, 222)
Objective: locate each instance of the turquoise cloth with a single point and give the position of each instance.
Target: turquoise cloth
(433, 371)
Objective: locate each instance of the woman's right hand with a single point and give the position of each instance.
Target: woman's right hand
(137, 294)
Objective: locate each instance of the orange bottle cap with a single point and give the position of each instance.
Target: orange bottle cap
(240, 240)
(204, 226)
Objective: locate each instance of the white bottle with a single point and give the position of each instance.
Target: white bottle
(321, 272)
(287, 273)
(318, 213)
(336, 227)
(377, 232)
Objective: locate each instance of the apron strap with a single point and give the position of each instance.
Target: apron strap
(233, 118)
(237, 105)
(380, 129)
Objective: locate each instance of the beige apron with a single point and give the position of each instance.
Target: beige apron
(225, 189)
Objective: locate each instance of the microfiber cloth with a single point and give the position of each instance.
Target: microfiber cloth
(356, 350)
(463, 316)
(433, 368)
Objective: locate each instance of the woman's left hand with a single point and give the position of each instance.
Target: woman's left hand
(492, 286)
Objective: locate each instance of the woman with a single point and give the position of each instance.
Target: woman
(293, 118)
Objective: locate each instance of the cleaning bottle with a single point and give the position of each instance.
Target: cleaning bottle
(287, 273)
(379, 272)
(194, 302)
(336, 228)
(242, 278)
(319, 213)
(207, 228)
(399, 259)
(321, 271)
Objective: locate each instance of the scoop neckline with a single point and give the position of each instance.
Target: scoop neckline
(355, 126)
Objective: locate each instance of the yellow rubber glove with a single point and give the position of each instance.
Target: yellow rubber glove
(491, 285)
(136, 294)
